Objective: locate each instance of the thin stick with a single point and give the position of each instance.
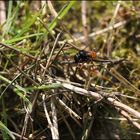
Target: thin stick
(52, 10)
(28, 55)
(54, 118)
(2, 12)
(127, 116)
(58, 52)
(26, 75)
(48, 62)
(48, 118)
(67, 109)
(18, 135)
(125, 82)
(46, 27)
(110, 37)
(97, 96)
(121, 23)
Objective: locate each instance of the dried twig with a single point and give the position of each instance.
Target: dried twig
(28, 55)
(117, 25)
(54, 118)
(2, 12)
(127, 116)
(52, 10)
(19, 136)
(46, 27)
(125, 82)
(48, 62)
(97, 96)
(110, 37)
(67, 109)
(49, 120)
(122, 106)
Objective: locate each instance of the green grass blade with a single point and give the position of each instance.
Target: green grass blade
(18, 89)
(28, 23)
(10, 17)
(4, 128)
(45, 87)
(13, 40)
(61, 14)
(4, 119)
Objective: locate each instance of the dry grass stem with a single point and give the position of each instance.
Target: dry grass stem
(51, 8)
(50, 125)
(67, 109)
(115, 26)
(54, 118)
(133, 122)
(52, 51)
(97, 96)
(69, 70)
(2, 12)
(125, 82)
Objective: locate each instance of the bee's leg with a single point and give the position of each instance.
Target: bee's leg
(80, 66)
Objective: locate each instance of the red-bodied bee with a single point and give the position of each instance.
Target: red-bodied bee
(84, 56)
(88, 56)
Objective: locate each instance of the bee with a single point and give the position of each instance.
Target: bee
(84, 56)
(87, 56)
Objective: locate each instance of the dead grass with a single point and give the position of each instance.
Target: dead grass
(45, 95)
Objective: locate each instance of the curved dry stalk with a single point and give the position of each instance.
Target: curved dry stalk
(54, 117)
(19, 136)
(117, 9)
(123, 107)
(82, 91)
(2, 12)
(49, 59)
(117, 25)
(52, 128)
(52, 10)
(87, 129)
(133, 122)
(110, 37)
(17, 50)
(26, 123)
(125, 82)
(67, 109)
(97, 96)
